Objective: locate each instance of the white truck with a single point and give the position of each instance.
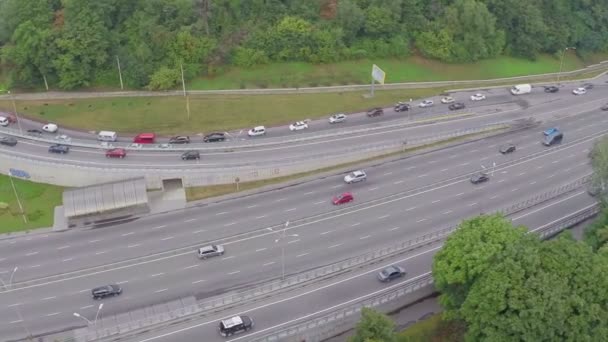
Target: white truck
(521, 89)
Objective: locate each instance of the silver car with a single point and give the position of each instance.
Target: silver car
(391, 273)
(210, 251)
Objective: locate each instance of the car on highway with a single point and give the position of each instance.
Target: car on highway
(550, 131)
(375, 112)
(10, 117)
(191, 155)
(507, 148)
(116, 153)
(298, 126)
(448, 99)
(106, 291)
(210, 251)
(343, 198)
(50, 127)
(8, 141)
(337, 118)
(588, 86)
(164, 145)
(553, 139)
(391, 273)
(63, 138)
(135, 145)
(3, 121)
(426, 103)
(214, 137)
(551, 89)
(180, 139)
(456, 106)
(355, 176)
(145, 138)
(479, 177)
(604, 107)
(34, 131)
(579, 91)
(256, 131)
(478, 97)
(58, 148)
(236, 325)
(402, 107)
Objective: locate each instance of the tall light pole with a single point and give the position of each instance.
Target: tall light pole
(15, 110)
(94, 323)
(561, 63)
(6, 288)
(282, 236)
(119, 73)
(10, 177)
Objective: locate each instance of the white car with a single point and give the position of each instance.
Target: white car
(63, 138)
(355, 176)
(579, 91)
(426, 103)
(255, 131)
(164, 145)
(108, 145)
(3, 121)
(297, 126)
(134, 145)
(337, 118)
(478, 97)
(447, 99)
(50, 127)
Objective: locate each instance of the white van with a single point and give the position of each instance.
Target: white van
(107, 136)
(521, 89)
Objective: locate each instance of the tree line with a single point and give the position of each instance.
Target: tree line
(73, 43)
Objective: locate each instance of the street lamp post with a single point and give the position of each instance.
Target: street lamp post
(94, 323)
(15, 110)
(282, 235)
(7, 287)
(561, 63)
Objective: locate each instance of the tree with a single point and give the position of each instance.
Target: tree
(165, 78)
(596, 235)
(374, 326)
(540, 291)
(467, 254)
(599, 163)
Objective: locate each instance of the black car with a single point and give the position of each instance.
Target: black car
(456, 106)
(402, 107)
(190, 155)
(105, 291)
(235, 325)
(604, 107)
(551, 89)
(213, 137)
(180, 139)
(588, 86)
(375, 112)
(508, 148)
(479, 177)
(8, 141)
(58, 148)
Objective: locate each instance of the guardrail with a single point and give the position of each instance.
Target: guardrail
(207, 307)
(340, 320)
(81, 95)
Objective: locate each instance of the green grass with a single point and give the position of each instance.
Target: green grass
(38, 200)
(412, 69)
(432, 329)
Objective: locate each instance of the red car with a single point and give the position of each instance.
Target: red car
(344, 198)
(116, 153)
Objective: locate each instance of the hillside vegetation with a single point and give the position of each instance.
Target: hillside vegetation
(71, 44)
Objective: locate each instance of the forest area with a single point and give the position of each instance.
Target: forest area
(72, 44)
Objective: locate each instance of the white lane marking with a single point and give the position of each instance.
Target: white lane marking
(410, 209)
(435, 201)
(334, 246)
(309, 193)
(17, 321)
(539, 167)
(198, 281)
(568, 169)
(293, 241)
(447, 212)
(532, 183)
(167, 238)
(68, 259)
(336, 186)
(453, 156)
(288, 210)
(319, 202)
(261, 249)
(571, 155)
(502, 180)
(514, 189)
(49, 298)
(444, 170)
(252, 206)
(221, 213)
(269, 263)
(301, 255)
(355, 224)
(161, 290)
(422, 175)
(81, 291)
(388, 174)
(16, 304)
(191, 266)
(327, 232)
(394, 228)
(134, 245)
(101, 252)
(157, 274)
(465, 164)
(472, 204)
(229, 257)
(433, 161)
(549, 205)
(34, 266)
(555, 161)
(62, 247)
(93, 241)
(474, 150)
(31, 253)
(127, 234)
(364, 237)
(86, 307)
(504, 172)
(459, 194)
(521, 174)
(230, 224)
(160, 227)
(374, 188)
(421, 220)
(484, 158)
(398, 182)
(199, 231)
(492, 146)
(383, 216)
(260, 217)
(410, 168)
(235, 272)
(493, 197)
(280, 199)
(53, 314)
(551, 176)
(189, 220)
(122, 282)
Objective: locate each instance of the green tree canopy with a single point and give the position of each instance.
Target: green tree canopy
(373, 327)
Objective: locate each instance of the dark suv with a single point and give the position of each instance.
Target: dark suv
(402, 107)
(479, 177)
(180, 139)
(456, 106)
(105, 291)
(551, 89)
(375, 112)
(190, 155)
(8, 141)
(235, 325)
(58, 148)
(213, 137)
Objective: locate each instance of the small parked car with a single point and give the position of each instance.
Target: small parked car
(375, 112)
(50, 127)
(180, 139)
(337, 118)
(479, 177)
(447, 99)
(8, 141)
(579, 91)
(551, 89)
(106, 291)
(478, 97)
(297, 126)
(391, 273)
(343, 198)
(456, 106)
(213, 137)
(236, 325)
(116, 153)
(426, 103)
(508, 148)
(255, 131)
(210, 251)
(402, 107)
(191, 155)
(355, 176)
(58, 148)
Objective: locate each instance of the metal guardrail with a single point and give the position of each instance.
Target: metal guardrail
(333, 323)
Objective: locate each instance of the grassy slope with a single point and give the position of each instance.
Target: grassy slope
(432, 329)
(37, 199)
